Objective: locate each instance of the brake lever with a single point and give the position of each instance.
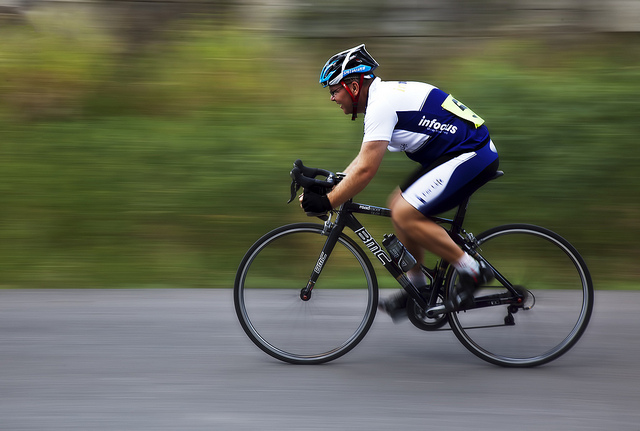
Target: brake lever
(294, 190)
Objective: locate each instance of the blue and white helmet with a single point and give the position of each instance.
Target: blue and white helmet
(350, 62)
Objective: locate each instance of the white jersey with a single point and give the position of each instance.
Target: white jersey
(421, 120)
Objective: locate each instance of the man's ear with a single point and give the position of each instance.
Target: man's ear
(355, 89)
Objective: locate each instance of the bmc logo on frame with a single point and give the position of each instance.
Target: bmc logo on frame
(320, 263)
(372, 245)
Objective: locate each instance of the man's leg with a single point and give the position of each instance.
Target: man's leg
(418, 232)
(434, 191)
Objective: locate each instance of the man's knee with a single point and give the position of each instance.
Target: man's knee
(393, 198)
(403, 213)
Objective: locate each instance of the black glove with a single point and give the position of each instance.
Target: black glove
(315, 203)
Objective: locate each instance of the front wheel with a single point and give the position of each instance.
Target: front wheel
(556, 298)
(272, 311)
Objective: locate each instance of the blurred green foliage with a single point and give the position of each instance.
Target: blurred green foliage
(161, 167)
(49, 73)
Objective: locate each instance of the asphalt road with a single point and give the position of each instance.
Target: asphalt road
(130, 360)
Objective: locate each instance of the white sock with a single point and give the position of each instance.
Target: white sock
(467, 264)
(417, 278)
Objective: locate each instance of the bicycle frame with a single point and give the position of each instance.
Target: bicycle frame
(346, 219)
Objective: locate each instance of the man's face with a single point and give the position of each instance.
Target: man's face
(342, 97)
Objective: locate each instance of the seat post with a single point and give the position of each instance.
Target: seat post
(458, 219)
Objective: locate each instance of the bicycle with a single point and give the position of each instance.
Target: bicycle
(306, 293)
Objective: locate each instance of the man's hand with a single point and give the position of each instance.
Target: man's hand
(314, 203)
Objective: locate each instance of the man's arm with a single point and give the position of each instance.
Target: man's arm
(360, 172)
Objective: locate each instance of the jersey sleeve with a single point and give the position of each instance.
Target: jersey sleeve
(379, 122)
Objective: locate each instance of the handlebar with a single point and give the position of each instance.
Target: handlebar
(305, 177)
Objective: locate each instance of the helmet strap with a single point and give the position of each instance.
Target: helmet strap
(354, 99)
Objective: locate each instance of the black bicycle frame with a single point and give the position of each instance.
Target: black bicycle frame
(345, 218)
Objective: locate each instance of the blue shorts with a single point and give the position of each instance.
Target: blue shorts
(434, 190)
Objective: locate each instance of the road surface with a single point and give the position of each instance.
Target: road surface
(173, 359)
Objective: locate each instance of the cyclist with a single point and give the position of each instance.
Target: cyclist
(448, 140)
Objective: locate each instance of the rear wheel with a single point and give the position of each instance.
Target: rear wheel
(268, 302)
(556, 298)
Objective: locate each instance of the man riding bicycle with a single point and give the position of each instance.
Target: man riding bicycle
(448, 140)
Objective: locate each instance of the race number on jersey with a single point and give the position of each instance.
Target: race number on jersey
(458, 109)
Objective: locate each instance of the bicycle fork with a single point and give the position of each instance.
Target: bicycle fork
(330, 243)
(332, 231)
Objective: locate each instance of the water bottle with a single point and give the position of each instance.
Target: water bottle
(398, 252)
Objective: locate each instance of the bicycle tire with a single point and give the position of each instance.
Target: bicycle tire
(558, 286)
(267, 299)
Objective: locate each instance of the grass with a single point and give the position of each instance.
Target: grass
(162, 169)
